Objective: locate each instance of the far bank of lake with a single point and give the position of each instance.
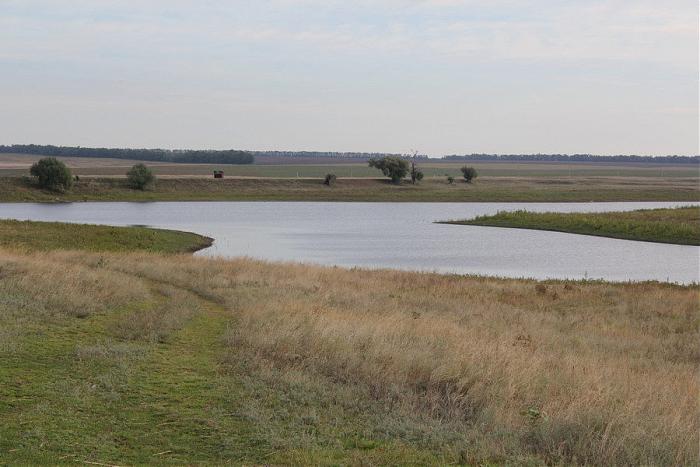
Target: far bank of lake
(432, 189)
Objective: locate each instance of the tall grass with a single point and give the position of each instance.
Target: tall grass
(588, 373)
(56, 288)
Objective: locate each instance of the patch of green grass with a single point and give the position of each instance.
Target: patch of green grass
(677, 225)
(62, 236)
(75, 392)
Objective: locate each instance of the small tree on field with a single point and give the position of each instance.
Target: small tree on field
(329, 180)
(416, 173)
(393, 167)
(140, 176)
(52, 174)
(450, 179)
(469, 173)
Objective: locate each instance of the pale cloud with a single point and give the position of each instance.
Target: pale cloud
(473, 29)
(305, 59)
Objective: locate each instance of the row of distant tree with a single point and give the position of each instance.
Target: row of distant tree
(671, 159)
(331, 155)
(156, 155)
(573, 158)
(248, 157)
(52, 174)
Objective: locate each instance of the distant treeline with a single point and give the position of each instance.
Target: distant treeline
(573, 158)
(247, 157)
(159, 155)
(485, 157)
(331, 155)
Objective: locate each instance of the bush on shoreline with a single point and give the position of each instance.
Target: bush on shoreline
(140, 177)
(52, 174)
(329, 180)
(469, 173)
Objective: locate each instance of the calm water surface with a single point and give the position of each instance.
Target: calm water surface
(395, 235)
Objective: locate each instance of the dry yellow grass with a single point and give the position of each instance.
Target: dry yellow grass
(64, 288)
(578, 372)
(584, 373)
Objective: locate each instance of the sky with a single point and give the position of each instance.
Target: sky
(437, 76)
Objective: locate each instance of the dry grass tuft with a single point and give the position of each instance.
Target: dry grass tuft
(158, 321)
(59, 287)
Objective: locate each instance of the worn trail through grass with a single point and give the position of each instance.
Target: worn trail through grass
(126, 401)
(181, 384)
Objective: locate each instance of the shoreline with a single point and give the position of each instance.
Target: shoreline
(199, 242)
(486, 189)
(564, 232)
(143, 201)
(31, 235)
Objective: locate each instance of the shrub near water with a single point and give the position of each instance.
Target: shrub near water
(469, 173)
(329, 180)
(140, 177)
(52, 174)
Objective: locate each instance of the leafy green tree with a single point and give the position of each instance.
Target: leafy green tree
(450, 179)
(469, 173)
(140, 176)
(391, 166)
(52, 174)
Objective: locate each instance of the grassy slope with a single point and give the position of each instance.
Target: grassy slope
(61, 236)
(142, 358)
(679, 225)
(261, 189)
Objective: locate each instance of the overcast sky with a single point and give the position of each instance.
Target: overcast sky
(440, 76)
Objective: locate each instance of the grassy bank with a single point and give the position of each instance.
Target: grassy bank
(678, 225)
(502, 189)
(143, 358)
(45, 236)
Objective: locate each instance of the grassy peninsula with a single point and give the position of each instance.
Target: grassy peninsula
(47, 236)
(116, 358)
(674, 225)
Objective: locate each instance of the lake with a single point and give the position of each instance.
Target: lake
(394, 235)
